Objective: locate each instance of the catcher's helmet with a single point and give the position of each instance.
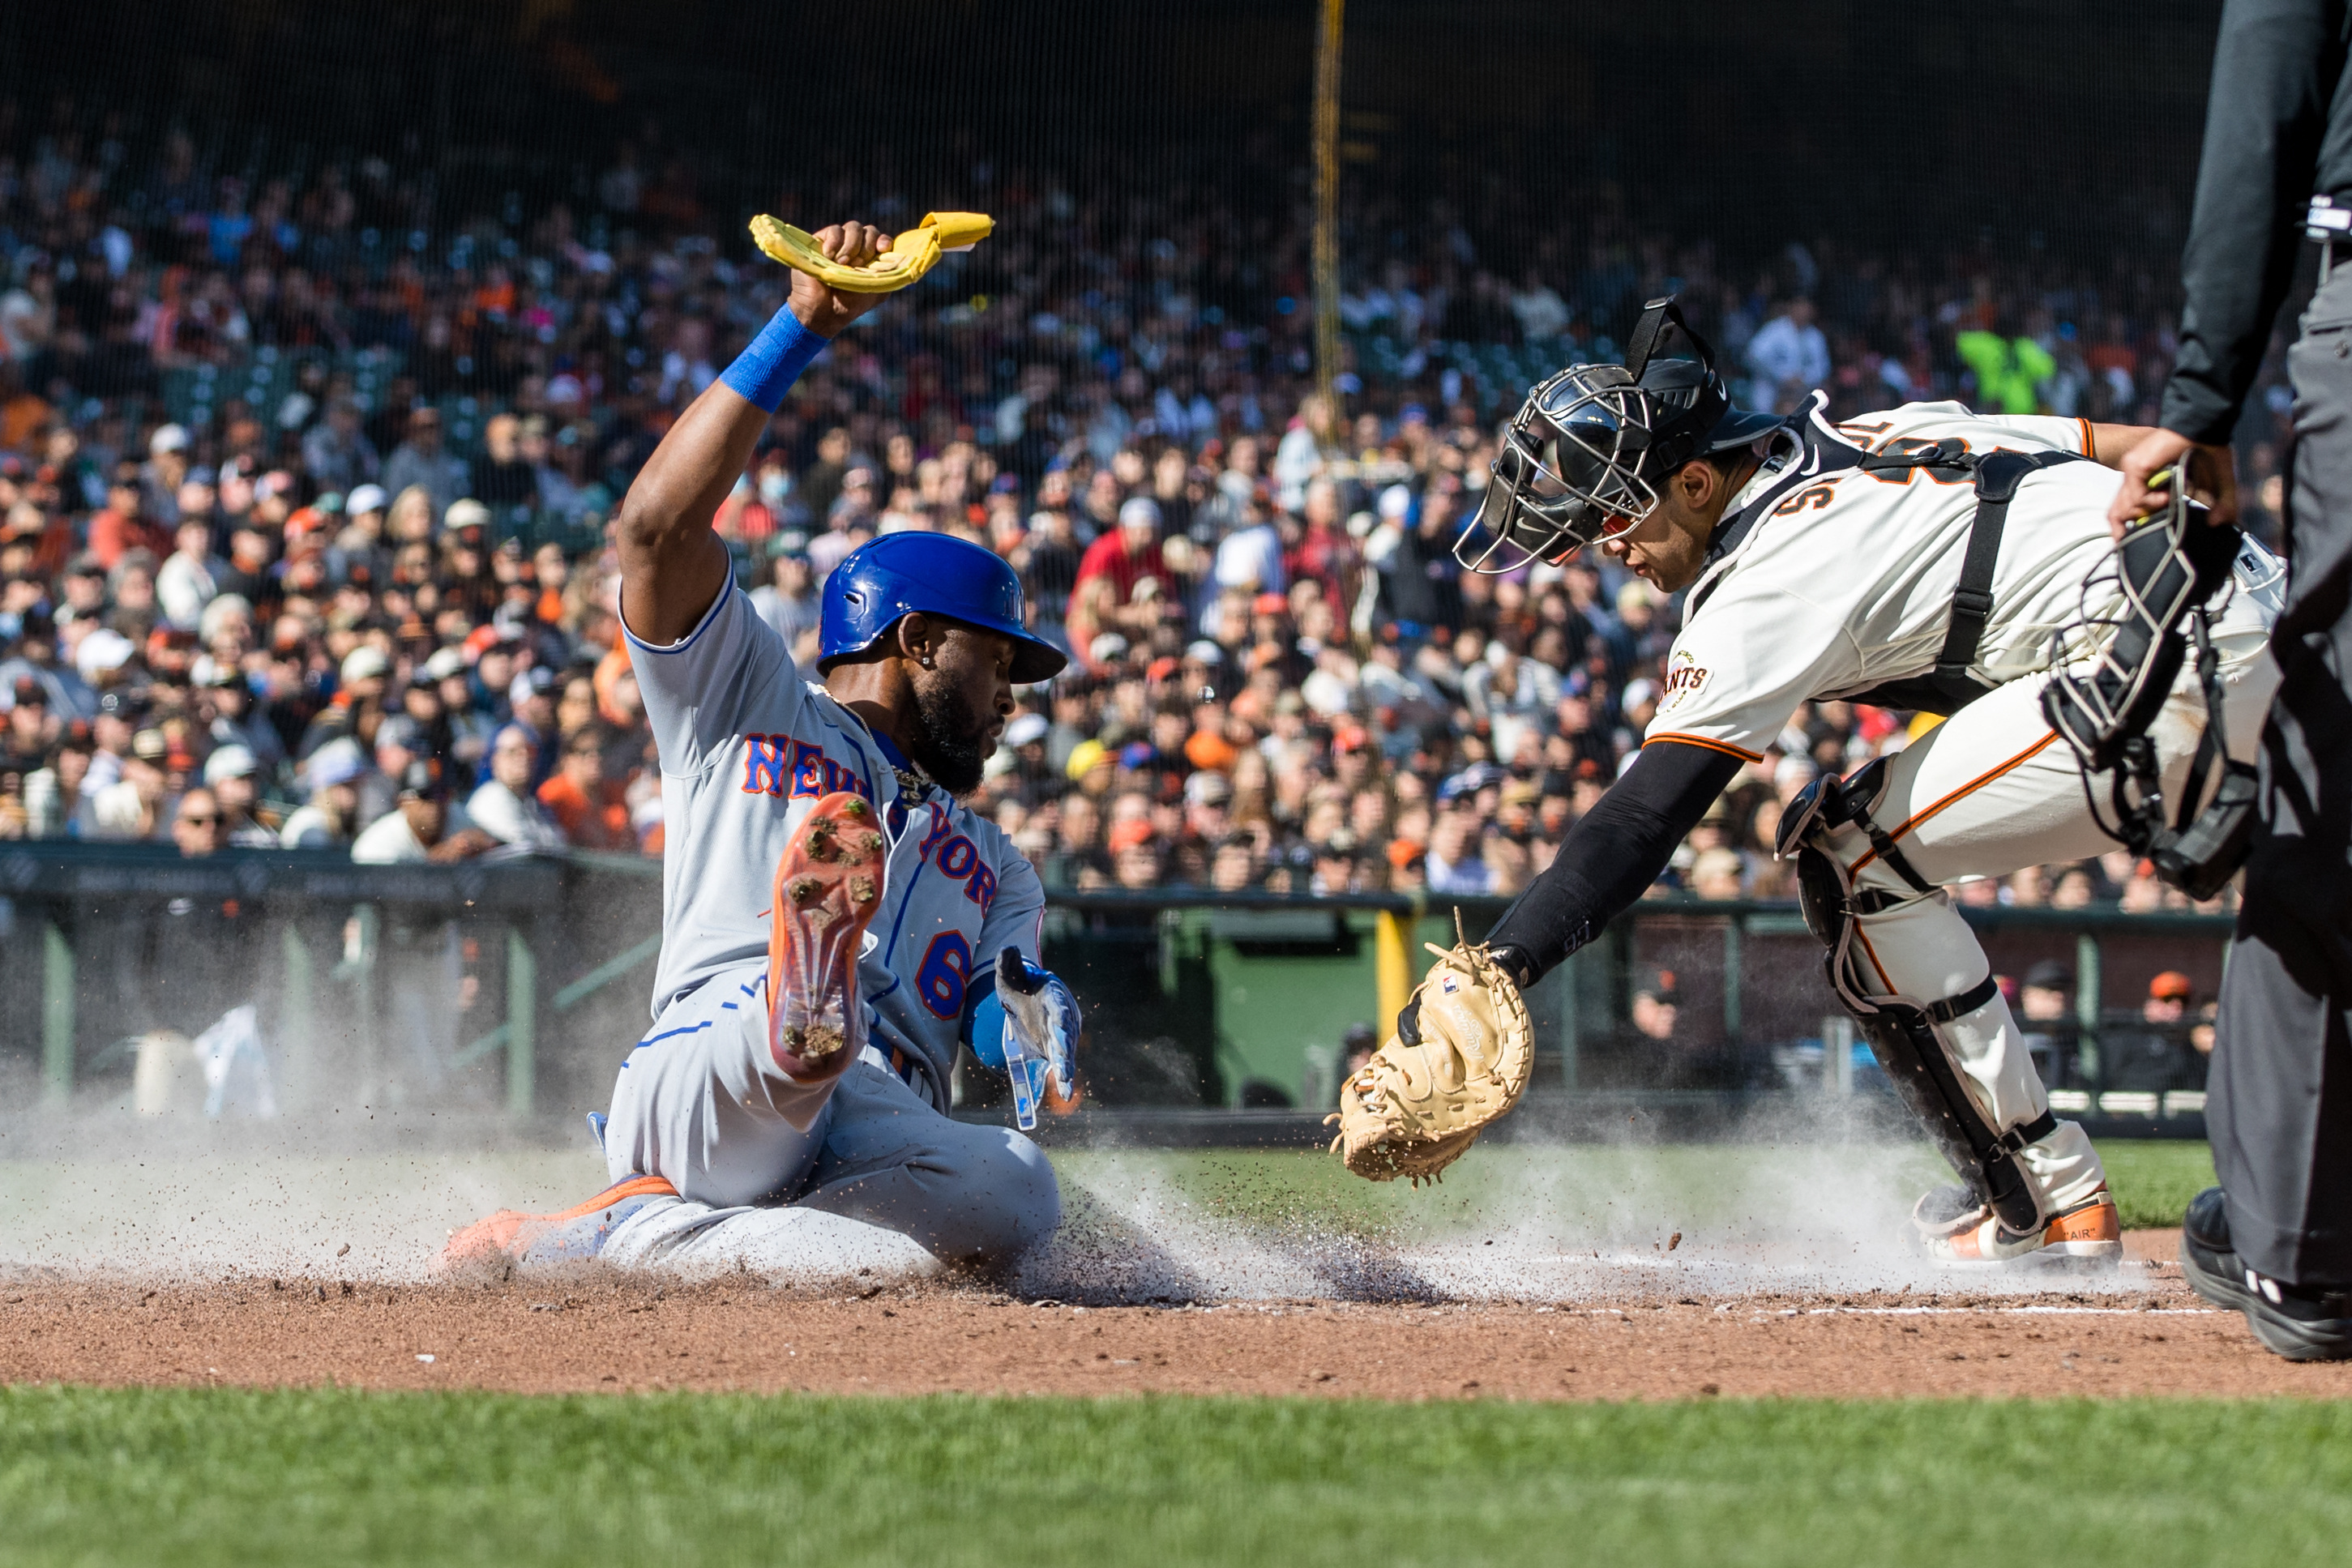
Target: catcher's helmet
(939, 575)
(1593, 443)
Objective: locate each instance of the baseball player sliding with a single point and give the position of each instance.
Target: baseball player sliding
(1922, 557)
(835, 921)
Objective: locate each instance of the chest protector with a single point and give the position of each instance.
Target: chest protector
(1949, 685)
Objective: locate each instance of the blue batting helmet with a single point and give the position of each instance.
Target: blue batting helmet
(937, 574)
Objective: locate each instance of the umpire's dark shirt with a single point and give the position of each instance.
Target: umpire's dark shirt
(2278, 130)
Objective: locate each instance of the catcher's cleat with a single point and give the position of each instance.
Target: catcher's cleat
(828, 886)
(1951, 1227)
(574, 1236)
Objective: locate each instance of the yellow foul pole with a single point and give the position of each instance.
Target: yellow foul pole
(1326, 196)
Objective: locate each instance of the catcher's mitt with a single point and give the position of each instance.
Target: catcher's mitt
(1413, 1109)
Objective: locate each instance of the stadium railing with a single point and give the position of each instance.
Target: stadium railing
(512, 986)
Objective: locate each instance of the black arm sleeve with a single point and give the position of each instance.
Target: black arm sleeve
(1610, 858)
(2278, 71)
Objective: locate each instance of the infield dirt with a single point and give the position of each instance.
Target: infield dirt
(2142, 1333)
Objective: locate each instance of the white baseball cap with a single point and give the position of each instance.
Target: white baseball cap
(366, 498)
(1138, 512)
(103, 649)
(363, 663)
(230, 761)
(1028, 727)
(466, 513)
(443, 663)
(168, 438)
(338, 762)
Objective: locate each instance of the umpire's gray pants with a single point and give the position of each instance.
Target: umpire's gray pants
(2279, 1104)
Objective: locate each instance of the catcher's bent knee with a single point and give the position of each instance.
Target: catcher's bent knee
(1905, 1035)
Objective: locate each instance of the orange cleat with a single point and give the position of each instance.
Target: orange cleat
(828, 886)
(577, 1234)
(2088, 1234)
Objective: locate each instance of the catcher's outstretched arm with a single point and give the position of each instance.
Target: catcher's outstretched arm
(672, 565)
(1611, 856)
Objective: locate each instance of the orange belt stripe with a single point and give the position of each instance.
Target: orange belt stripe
(632, 1187)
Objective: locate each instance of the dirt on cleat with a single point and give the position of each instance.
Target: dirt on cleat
(828, 886)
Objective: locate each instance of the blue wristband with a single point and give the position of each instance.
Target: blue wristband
(766, 370)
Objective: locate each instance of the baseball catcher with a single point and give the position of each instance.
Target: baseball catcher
(1924, 557)
(835, 922)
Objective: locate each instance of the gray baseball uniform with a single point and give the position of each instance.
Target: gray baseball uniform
(747, 749)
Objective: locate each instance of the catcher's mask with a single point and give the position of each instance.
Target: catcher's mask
(1583, 457)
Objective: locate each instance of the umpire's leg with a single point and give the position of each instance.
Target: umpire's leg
(2280, 1098)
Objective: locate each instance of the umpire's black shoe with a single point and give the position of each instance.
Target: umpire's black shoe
(2297, 1322)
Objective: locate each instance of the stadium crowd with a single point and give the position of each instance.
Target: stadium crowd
(375, 608)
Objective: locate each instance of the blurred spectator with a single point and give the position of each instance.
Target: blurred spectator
(197, 824)
(2155, 1054)
(229, 774)
(1656, 1005)
(419, 462)
(337, 453)
(422, 827)
(2046, 1014)
(506, 807)
(789, 601)
(1790, 355)
(330, 819)
(590, 813)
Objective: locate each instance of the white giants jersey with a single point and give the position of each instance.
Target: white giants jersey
(1829, 579)
(747, 749)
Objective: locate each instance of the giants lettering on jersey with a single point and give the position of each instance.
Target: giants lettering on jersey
(1684, 678)
(779, 764)
(959, 859)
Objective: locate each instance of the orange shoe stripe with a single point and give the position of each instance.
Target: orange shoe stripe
(632, 1187)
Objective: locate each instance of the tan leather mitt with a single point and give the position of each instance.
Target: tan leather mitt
(1413, 1109)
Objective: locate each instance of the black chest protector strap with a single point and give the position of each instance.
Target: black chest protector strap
(1949, 687)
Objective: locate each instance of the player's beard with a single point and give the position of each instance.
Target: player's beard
(955, 738)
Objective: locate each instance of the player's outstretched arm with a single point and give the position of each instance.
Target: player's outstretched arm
(1607, 860)
(672, 565)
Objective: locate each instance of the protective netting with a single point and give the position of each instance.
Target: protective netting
(464, 263)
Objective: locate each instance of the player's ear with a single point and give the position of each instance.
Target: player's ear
(919, 637)
(1696, 479)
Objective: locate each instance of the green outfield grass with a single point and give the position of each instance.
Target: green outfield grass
(198, 1477)
(2153, 1181)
